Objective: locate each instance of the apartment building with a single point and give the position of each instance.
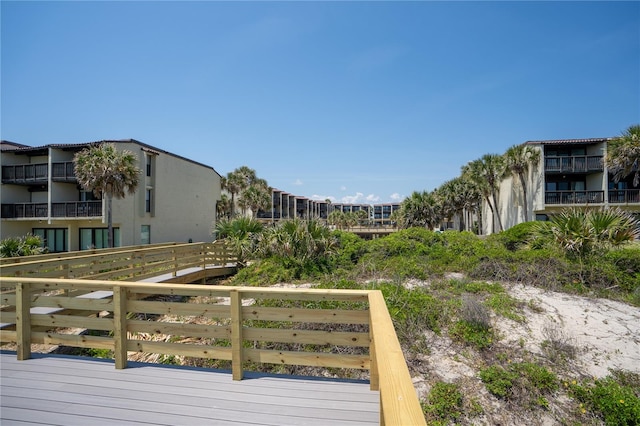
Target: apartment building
(288, 206)
(175, 199)
(382, 213)
(570, 173)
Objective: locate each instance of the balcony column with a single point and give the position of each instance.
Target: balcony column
(49, 181)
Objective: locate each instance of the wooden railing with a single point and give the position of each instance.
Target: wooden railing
(125, 263)
(236, 324)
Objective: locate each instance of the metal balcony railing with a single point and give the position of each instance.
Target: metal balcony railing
(574, 164)
(64, 209)
(38, 173)
(574, 197)
(624, 196)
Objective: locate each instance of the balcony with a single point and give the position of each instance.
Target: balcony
(574, 197)
(40, 210)
(624, 196)
(574, 164)
(22, 174)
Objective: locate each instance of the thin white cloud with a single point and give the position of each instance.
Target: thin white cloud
(298, 182)
(323, 197)
(352, 199)
(395, 196)
(343, 188)
(372, 198)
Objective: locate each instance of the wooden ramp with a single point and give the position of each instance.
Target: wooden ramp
(66, 390)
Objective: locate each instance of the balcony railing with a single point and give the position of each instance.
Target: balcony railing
(63, 172)
(624, 196)
(38, 173)
(574, 164)
(39, 210)
(574, 197)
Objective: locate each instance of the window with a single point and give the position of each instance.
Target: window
(91, 238)
(147, 201)
(88, 196)
(145, 234)
(54, 239)
(149, 158)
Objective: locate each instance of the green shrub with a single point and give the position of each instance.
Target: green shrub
(27, 245)
(444, 404)
(497, 380)
(505, 305)
(473, 334)
(350, 249)
(516, 237)
(525, 383)
(616, 404)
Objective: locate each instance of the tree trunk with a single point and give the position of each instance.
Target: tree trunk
(524, 193)
(493, 216)
(497, 213)
(109, 223)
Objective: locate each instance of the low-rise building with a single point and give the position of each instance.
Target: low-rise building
(174, 201)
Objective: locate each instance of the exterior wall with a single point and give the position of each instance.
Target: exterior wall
(511, 205)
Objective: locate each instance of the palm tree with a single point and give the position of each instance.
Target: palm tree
(256, 197)
(487, 173)
(623, 155)
(223, 207)
(518, 159)
(337, 218)
(237, 181)
(451, 197)
(105, 171)
(421, 209)
(582, 232)
(242, 235)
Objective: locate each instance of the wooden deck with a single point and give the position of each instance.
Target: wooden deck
(64, 390)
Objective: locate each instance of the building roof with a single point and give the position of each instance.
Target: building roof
(41, 150)
(569, 141)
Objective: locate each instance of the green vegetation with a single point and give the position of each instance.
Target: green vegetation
(444, 404)
(412, 267)
(524, 383)
(614, 402)
(27, 245)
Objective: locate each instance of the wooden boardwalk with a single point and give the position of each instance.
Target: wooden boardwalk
(65, 390)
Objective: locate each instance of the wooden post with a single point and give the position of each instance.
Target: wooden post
(23, 321)
(236, 335)
(175, 262)
(120, 326)
(374, 378)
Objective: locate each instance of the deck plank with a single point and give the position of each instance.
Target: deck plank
(54, 389)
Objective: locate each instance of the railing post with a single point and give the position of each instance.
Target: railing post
(236, 335)
(374, 377)
(23, 321)
(120, 326)
(175, 262)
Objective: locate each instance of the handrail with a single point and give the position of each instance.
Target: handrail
(138, 263)
(239, 323)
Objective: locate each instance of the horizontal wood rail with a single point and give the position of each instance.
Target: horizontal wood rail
(316, 327)
(135, 263)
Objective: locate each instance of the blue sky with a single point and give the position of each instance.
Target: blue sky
(352, 101)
